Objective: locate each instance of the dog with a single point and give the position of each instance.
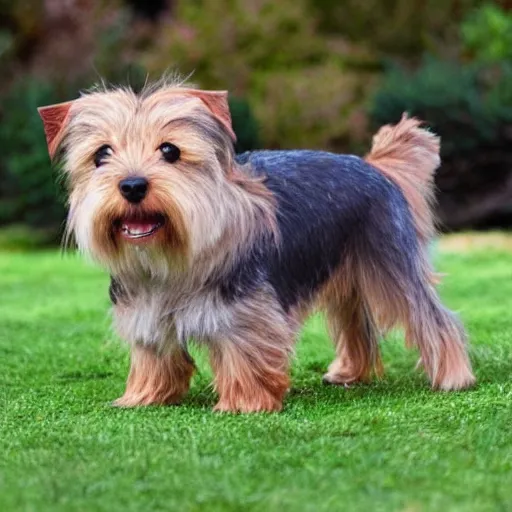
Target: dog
(235, 251)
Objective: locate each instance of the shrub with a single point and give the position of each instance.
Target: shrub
(470, 107)
(27, 183)
(487, 34)
(306, 89)
(402, 28)
(460, 102)
(244, 125)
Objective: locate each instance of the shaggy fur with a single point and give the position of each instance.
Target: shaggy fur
(245, 247)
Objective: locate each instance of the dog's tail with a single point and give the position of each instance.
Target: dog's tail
(409, 155)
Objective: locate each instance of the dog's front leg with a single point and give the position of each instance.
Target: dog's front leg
(251, 364)
(249, 378)
(156, 378)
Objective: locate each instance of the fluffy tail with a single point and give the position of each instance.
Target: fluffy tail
(409, 155)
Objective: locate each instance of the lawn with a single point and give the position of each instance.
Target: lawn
(390, 445)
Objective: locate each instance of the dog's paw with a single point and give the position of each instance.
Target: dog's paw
(340, 379)
(269, 404)
(140, 400)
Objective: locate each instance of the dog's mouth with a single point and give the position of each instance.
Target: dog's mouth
(140, 227)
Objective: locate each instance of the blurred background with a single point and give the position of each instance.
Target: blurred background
(302, 74)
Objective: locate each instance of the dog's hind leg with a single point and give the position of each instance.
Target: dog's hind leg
(440, 338)
(392, 285)
(356, 338)
(399, 289)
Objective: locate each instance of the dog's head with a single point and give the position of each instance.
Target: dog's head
(148, 174)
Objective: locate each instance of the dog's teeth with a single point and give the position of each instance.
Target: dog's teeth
(138, 230)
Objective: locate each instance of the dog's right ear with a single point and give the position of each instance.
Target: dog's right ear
(55, 119)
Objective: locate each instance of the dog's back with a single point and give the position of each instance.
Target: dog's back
(328, 206)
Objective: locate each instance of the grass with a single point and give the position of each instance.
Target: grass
(389, 445)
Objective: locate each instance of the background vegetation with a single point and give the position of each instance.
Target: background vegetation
(303, 73)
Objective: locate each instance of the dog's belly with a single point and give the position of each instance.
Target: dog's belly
(152, 319)
(144, 320)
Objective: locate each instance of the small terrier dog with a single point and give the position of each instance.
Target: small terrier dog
(234, 251)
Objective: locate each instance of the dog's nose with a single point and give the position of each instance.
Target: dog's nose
(134, 189)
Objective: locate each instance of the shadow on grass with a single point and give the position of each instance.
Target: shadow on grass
(83, 376)
(400, 384)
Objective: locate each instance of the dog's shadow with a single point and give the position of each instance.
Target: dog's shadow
(413, 388)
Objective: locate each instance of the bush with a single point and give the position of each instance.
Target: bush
(244, 125)
(487, 34)
(399, 28)
(27, 183)
(470, 107)
(307, 89)
(467, 105)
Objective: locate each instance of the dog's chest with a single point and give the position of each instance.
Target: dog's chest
(158, 317)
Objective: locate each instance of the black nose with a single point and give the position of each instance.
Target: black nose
(134, 189)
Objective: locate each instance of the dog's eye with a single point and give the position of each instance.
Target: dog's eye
(170, 152)
(102, 154)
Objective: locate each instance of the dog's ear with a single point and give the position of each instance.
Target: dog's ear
(55, 119)
(217, 103)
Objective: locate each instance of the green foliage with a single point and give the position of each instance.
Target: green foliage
(244, 125)
(467, 105)
(390, 445)
(27, 183)
(402, 28)
(307, 68)
(306, 88)
(487, 34)
(20, 23)
(499, 99)
(21, 237)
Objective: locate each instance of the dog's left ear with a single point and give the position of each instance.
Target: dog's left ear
(55, 119)
(217, 103)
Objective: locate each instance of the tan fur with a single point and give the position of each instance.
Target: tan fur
(202, 207)
(156, 379)
(356, 339)
(352, 327)
(409, 156)
(362, 303)
(441, 340)
(251, 364)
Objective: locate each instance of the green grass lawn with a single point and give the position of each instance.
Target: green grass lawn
(389, 445)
